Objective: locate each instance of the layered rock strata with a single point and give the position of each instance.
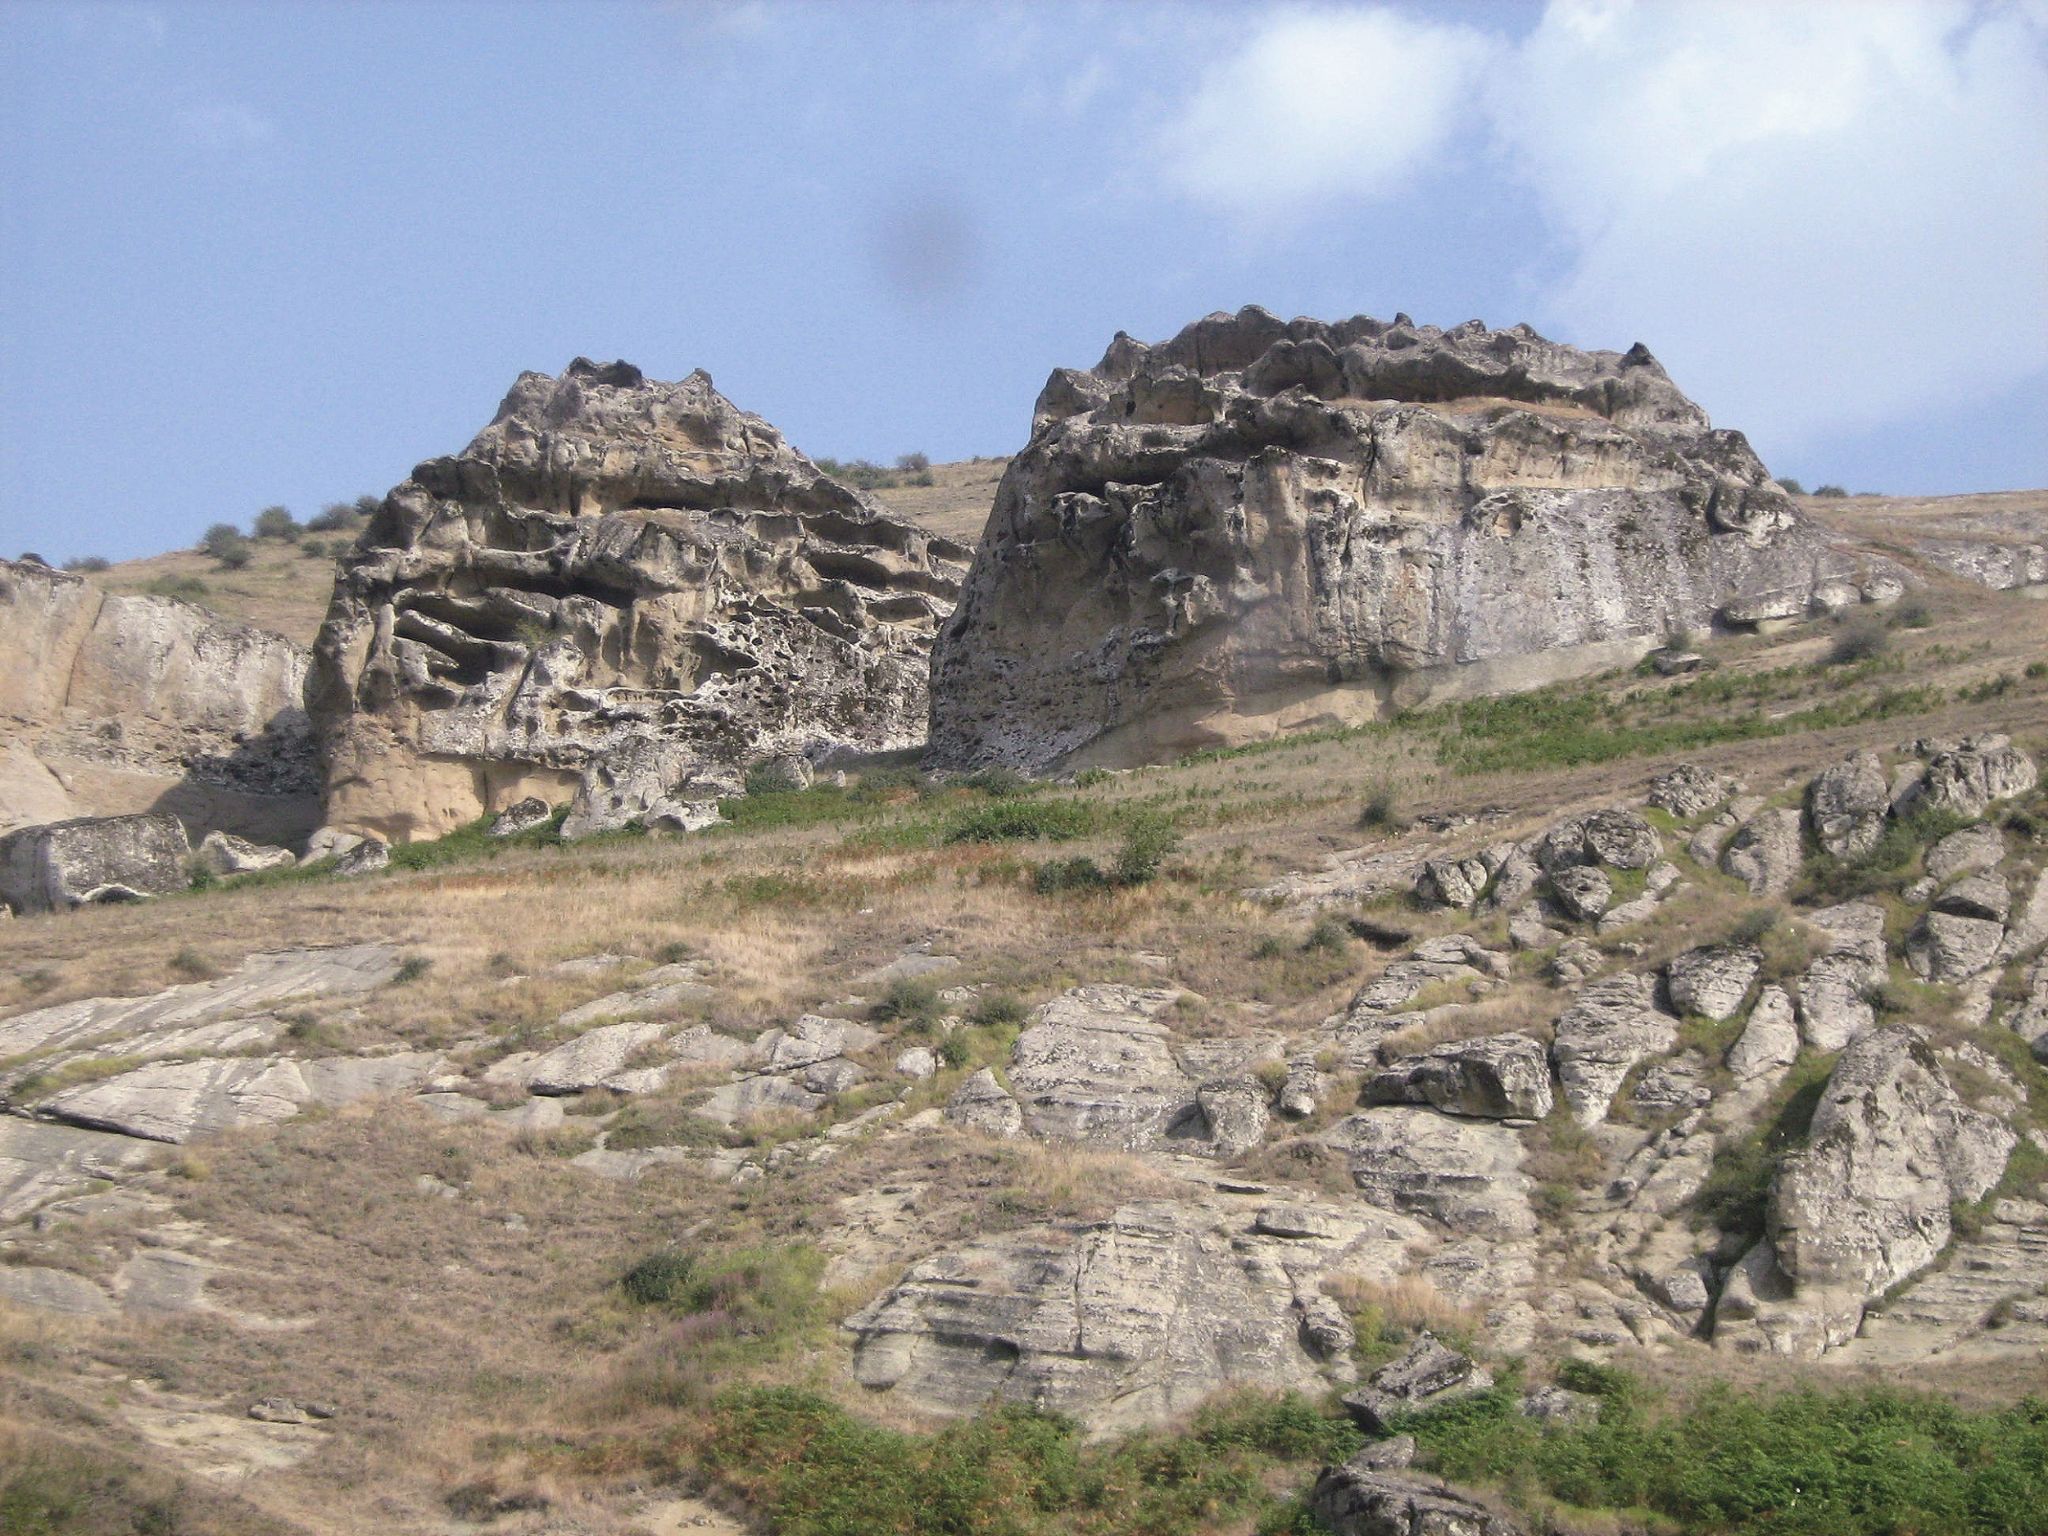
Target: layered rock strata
(1264, 524)
(623, 592)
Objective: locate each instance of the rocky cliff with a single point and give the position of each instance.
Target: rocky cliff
(116, 704)
(1262, 524)
(623, 592)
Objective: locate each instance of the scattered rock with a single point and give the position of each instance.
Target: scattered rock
(1712, 980)
(1980, 896)
(918, 1062)
(226, 855)
(365, 858)
(1234, 1109)
(981, 1103)
(521, 816)
(1769, 1041)
(1427, 1374)
(1764, 854)
(588, 1060)
(1688, 791)
(1945, 947)
(1967, 778)
(1501, 1077)
(1848, 803)
(1968, 852)
(1463, 1173)
(1356, 1500)
(1583, 891)
(1614, 1024)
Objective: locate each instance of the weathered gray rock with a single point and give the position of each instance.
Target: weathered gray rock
(918, 1062)
(1764, 854)
(1980, 896)
(1500, 1077)
(1455, 957)
(1613, 1025)
(1261, 523)
(364, 858)
(654, 993)
(1465, 1174)
(1097, 1065)
(1302, 1092)
(41, 1162)
(1427, 1374)
(1866, 1203)
(622, 591)
(1712, 980)
(1123, 1322)
(1234, 1111)
(1945, 947)
(1688, 791)
(1618, 839)
(1358, 1500)
(521, 816)
(1847, 804)
(226, 855)
(1583, 891)
(177, 1101)
(92, 858)
(1769, 1041)
(1451, 882)
(1968, 852)
(117, 704)
(2028, 1018)
(1561, 1405)
(1968, 777)
(53, 1290)
(981, 1103)
(1834, 994)
(590, 1059)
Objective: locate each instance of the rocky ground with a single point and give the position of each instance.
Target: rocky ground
(1690, 1025)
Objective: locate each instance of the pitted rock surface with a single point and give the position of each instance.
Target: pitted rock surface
(623, 592)
(1465, 1174)
(1848, 804)
(1498, 1077)
(1614, 1024)
(1713, 980)
(92, 859)
(1263, 523)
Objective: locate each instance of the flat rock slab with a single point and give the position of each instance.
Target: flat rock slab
(1097, 1065)
(1123, 1323)
(589, 1059)
(176, 1101)
(40, 1162)
(53, 1290)
(261, 982)
(661, 991)
(1614, 1024)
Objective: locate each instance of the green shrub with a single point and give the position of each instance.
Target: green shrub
(1079, 873)
(1832, 491)
(759, 1291)
(1912, 612)
(89, 564)
(277, 523)
(1790, 486)
(911, 1001)
(188, 589)
(1149, 840)
(1381, 812)
(1856, 640)
(225, 542)
(997, 1008)
(1044, 821)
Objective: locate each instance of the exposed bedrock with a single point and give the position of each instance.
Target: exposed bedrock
(1262, 524)
(624, 592)
(116, 704)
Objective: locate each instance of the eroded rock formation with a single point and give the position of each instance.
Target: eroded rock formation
(623, 591)
(1263, 524)
(114, 704)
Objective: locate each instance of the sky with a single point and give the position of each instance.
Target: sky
(279, 253)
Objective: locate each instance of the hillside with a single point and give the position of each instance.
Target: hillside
(668, 1304)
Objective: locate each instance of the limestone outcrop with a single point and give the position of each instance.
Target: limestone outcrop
(1262, 524)
(623, 592)
(116, 704)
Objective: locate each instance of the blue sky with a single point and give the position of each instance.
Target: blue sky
(281, 252)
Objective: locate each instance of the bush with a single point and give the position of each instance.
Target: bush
(1044, 821)
(1834, 492)
(1079, 873)
(911, 1001)
(277, 523)
(1382, 812)
(1912, 612)
(1790, 486)
(913, 463)
(1857, 640)
(1148, 842)
(189, 589)
(88, 564)
(759, 1291)
(226, 543)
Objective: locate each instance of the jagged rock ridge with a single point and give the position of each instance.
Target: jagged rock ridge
(623, 590)
(1261, 524)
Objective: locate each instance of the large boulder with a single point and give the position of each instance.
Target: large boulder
(1866, 1202)
(623, 592)
(93, 859)
(1967, 777)
(1428, 1374)
(112, 704)
(1613, 1025)
(1465, 1174)
(1263, 523)
(1358, 1499)
(1497, 1077)
(1765, 853)
(1712, 980)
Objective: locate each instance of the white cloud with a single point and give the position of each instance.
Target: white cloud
(1818, 215)
(1321, 103)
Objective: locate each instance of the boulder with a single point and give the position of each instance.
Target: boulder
(1946, 947)
(981, 1103)
(1451, 882)
(1613, 1025)
(918, 1062)
(588, 1060)
(1769, 1041)
(364, 858)
(1583, 891)
(2028, 1017)
(1355, 1499)
(1866, 1202)
(521, 816)
(1499, 1077)
(92, 859)
(1712, 980)
(1465, 1174)
(1426, 1375)
(1980, 896)
(622, 593)
(1097, 1065)
(226, 855)
(1235, 1111)
(1689, 791)
(1848, 803)
(1834, 994)
(1764, 854)
(1262, 522)
(1968, 777)
(1968, 852)
(1618, 839)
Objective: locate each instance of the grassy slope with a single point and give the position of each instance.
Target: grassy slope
(513, 1337)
